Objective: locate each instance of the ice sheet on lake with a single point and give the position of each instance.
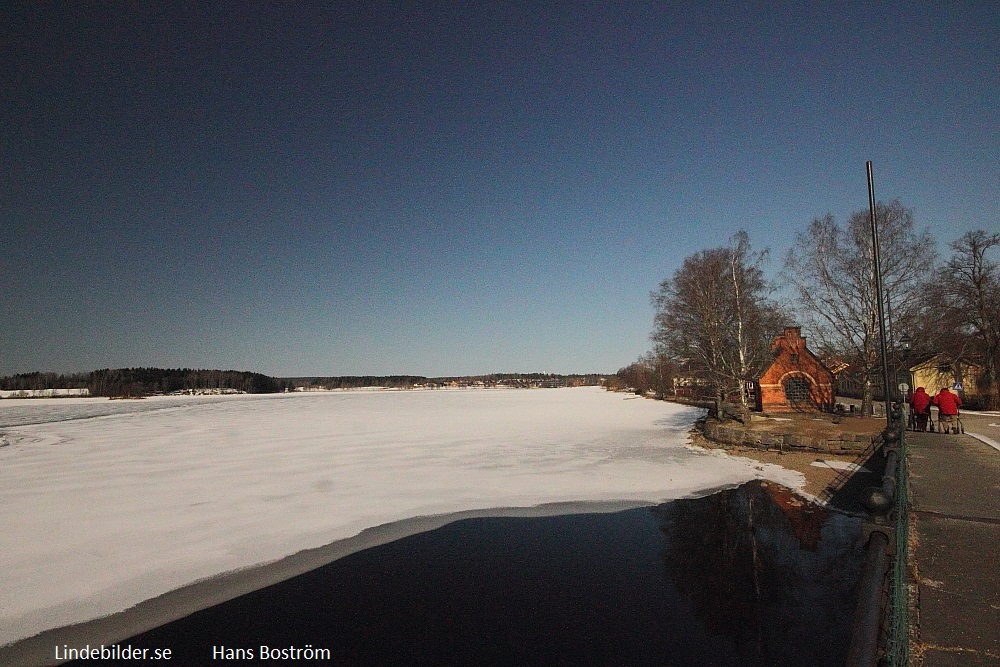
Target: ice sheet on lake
(107, 503)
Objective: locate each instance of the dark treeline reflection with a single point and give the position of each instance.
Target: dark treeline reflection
(766, 571)
(748, 576)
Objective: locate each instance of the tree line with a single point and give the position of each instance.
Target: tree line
(717, 315)
(355, 381)
(410, 381)
(145, 381)
(149, 381)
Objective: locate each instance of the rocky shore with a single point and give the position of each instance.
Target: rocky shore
(812, 444)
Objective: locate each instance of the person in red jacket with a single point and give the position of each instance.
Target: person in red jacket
(920, 402)
(947, 404)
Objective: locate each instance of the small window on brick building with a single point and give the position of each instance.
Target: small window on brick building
(797, 390)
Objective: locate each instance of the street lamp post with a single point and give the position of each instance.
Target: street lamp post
(905, 345)
(877, 266)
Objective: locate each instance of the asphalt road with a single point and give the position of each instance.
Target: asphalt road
(983, 423)
(955, 505)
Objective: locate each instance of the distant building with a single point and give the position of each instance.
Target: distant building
(942, 370)
(796, 380)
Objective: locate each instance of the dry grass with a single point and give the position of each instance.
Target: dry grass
(818, 424)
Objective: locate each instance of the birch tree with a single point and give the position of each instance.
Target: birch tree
(714, 317)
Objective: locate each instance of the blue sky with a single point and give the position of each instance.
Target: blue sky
(449, 188)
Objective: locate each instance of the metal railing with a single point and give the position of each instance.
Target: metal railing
(881, 621)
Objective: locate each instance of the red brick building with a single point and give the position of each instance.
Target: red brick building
(796, 380)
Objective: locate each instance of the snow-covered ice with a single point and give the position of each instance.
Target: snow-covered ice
(104, 504)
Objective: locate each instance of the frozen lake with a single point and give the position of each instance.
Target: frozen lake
(749, 577)
(105, 504)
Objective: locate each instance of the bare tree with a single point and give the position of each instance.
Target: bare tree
(970, 292)
(639, 377)
(714, 316)
(832, 271)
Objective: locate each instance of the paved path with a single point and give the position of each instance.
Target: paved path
(955, 496)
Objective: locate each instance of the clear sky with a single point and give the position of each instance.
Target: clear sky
(445, 188)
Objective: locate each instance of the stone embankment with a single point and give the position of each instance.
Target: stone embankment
(792, 434)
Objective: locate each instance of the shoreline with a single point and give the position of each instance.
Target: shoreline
(817, 478)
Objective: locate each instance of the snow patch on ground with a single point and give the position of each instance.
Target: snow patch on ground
(104, 504)
(840, 465)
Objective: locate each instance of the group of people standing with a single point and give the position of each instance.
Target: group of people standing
(947, 404)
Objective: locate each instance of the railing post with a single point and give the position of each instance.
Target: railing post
(882, 550)
(864, 648)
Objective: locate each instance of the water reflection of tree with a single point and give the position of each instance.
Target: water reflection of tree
(765, 570)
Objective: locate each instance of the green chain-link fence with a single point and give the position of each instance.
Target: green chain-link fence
(897, 631)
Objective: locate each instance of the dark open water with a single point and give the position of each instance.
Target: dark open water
(749, 576)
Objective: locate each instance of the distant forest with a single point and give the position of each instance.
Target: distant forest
(151, 381)
(145, 381)
(420, 381)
